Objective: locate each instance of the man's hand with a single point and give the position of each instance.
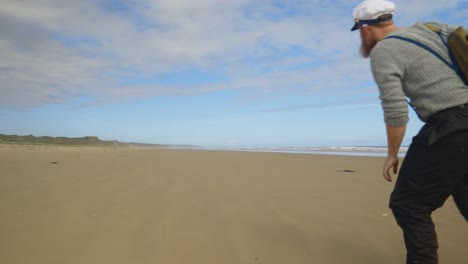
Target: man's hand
(392, 162)
(394, 136)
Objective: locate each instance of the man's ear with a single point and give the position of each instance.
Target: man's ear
(367, 28)
(364, 29)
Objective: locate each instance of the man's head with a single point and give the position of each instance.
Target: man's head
(373, 19)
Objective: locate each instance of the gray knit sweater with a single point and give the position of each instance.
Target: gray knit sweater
(403, 69)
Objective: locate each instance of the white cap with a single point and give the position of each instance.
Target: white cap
(369, 11)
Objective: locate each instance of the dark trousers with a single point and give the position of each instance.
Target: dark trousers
(430, 173)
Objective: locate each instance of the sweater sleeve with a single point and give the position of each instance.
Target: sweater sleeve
(388, 75)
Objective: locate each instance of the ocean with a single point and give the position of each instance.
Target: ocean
(372, 151)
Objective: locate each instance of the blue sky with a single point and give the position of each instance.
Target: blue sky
(215, 73)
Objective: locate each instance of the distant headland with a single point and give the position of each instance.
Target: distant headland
(79, 141)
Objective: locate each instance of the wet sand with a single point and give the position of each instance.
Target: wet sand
(105, 205)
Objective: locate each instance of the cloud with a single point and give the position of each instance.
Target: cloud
(424, 7)
(58, 51)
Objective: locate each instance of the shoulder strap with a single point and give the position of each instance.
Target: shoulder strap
(417, 43)
(433, 28)
(438, 31)
(452, 66)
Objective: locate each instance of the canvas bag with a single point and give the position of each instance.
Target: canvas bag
(457, 45)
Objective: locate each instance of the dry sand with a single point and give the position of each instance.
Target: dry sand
(103, 205)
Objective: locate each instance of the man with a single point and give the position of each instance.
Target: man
(435, 165)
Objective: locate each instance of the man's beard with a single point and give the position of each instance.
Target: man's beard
(367, 44)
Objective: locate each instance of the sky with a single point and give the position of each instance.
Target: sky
(214, 73)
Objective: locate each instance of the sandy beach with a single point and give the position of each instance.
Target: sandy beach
(62, 205)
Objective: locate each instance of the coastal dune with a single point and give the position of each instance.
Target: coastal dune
(148, 205)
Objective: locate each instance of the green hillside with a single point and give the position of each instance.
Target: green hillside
(30, 139)
(81, 141)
